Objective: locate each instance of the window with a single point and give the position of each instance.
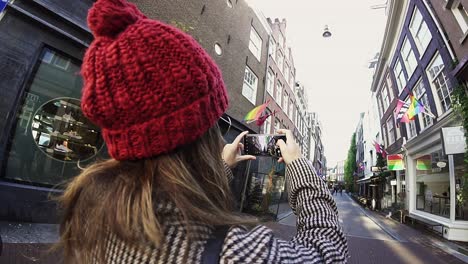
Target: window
(255, 44)
(286, 72)
(461, 16)
(391, 131)
(280, 61)
(277, 125)
(267, 125)
(390, 88)
(270, 82)
(385, 99)
(51, 57)
(281, 40)
(420, 92)
(411, 128)
(439, 82)
(379, 103)
(421, 34)
(51, 133)
(400, 76)
(249, 89)
(218, 49)
(279, 93)
(272, 48)
(433, 183)
(291, 81)
(229, 3)
(384, 134)
(408, 57)
(284, 104)
(290, 109)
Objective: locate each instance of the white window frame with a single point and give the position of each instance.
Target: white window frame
(385, 99)
(277, 125)
(390, 127)
(459, 11)
(280, 61)
(439, 85)
(409, 59)
(420, 31)
(281, 39)
(267, 125)
(384, 134)
(290, 109)
(250, 83)
(285, 102)
(272, 49)
(420, 92)
(380, 106)
(390, 88)
(279, 93)
(255, 43)
(399, 76)
(270, 83)
(286, 72)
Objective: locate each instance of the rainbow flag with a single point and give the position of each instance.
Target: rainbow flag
(255, 113)
(395, 162)
(415, 107)
(424, 163)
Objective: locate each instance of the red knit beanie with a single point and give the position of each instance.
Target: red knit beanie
(149, 86)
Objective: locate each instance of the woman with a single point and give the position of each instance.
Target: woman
(164, 197)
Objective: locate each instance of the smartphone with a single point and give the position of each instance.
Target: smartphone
(262, 145)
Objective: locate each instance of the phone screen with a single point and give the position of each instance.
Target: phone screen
(262, 145)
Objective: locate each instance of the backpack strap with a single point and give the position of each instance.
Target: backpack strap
(214, 245)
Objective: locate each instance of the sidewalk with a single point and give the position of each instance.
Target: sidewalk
(408, 235)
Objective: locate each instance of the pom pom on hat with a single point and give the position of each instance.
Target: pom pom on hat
(109, 18)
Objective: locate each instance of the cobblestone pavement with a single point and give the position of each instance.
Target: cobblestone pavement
(374, 239)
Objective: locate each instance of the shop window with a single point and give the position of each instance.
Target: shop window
(433, 184)
(52, 137)
(461, 204)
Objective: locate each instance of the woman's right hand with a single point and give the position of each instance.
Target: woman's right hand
(290, 151)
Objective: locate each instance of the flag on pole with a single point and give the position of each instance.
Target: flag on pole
(401, 110)
(261, 120)
(424, 163)
(255, 113)
(415, 107)
(395, 162)
(378, 149)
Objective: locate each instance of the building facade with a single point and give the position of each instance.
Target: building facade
(452, 16)
(339, 172)
(45, 139)
(416, 57)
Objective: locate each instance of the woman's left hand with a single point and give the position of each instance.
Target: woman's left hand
(232, 153)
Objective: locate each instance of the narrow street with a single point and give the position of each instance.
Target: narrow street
(374, 239)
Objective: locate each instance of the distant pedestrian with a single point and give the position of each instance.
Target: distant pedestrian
(164, 197)
(341, 190)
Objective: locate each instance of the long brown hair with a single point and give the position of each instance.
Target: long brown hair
(119, 197)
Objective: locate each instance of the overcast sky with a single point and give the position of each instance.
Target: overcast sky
(334, 70)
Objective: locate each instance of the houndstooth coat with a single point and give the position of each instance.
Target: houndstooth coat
(319, 237)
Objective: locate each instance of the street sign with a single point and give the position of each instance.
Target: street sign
(3, 4)
(454, 140)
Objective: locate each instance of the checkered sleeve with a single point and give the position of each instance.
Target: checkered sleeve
(319, 238)
(316, 211)
(228, 171)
